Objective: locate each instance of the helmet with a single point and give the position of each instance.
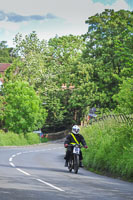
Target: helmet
(75, 129)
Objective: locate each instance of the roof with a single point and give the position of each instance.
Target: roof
(4, 66)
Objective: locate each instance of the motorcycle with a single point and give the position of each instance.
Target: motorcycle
(73, 163)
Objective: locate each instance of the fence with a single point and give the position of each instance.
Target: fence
(120, 118)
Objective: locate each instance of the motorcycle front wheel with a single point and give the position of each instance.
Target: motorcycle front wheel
(70, 164)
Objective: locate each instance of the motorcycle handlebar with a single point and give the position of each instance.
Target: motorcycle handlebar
(72, 145)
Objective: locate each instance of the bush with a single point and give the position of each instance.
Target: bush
(110, 148)
(32, 138)
(125, 97)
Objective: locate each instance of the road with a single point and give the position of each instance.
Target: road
(37, 173)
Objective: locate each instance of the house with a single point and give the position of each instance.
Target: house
(3, 67)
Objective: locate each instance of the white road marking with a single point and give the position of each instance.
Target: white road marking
(12, 164)
(23, 172)
(18, 153)
(46, 183)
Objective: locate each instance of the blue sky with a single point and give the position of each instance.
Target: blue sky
(51, 17)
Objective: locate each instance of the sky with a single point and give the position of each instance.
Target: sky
(49, 18)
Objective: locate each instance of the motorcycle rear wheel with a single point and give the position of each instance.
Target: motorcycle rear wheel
(76, 163)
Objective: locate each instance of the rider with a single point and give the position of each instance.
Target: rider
(74, 138)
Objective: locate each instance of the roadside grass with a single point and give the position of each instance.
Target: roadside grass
(12, 139)
(110, 149)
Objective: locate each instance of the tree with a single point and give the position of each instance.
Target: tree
(23, 110)
(36, 65)
(47, 68)
(109, 50)
(30, 63)
(5, 53)
(31, 43)
(65, 52)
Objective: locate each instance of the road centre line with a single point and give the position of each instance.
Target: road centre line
(44, 182)
(12, 164)
(19, 153)
(51, 185)
(23, 172)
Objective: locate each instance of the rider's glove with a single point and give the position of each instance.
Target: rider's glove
(85, 146)
(66, 145)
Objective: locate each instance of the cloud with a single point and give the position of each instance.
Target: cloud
(13, 17)
(51, 17)
(73, 11)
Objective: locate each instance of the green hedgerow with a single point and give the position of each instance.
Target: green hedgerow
(110, 148)
(14, 139)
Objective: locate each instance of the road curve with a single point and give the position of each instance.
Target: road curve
(37, 173)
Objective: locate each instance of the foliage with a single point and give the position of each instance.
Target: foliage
(23, 111)
(47, 68)
(30, 64)
(66, 53)
(109, 50)
(91, 70)
(125, 97)
(5, 53)
(14, 139)
(110, 148)
(32, 138)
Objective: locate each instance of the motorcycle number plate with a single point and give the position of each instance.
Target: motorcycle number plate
(76, 150)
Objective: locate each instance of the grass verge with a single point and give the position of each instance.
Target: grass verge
(12, 139)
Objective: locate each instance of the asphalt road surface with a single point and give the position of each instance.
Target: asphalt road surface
(37, 173)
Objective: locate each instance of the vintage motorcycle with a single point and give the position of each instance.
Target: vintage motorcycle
(73, 162)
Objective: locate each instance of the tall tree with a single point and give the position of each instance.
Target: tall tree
(66, 51)
(109, 50)
(32, 53)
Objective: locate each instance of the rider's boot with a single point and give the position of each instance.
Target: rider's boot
(81, 164)
(66, 163)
